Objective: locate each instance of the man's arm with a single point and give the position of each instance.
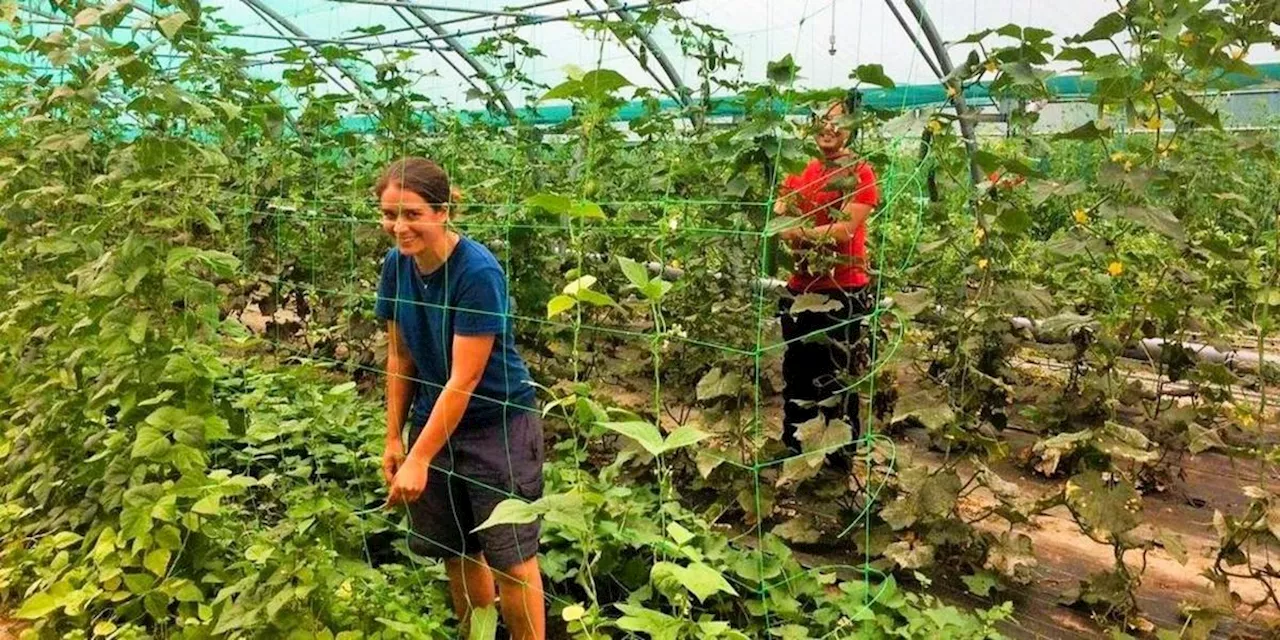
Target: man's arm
(470, 357)
(841, 231)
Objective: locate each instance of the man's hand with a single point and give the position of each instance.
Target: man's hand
(392, 458)
(409, 482)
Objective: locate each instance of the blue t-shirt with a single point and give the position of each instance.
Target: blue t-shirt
(466, 296)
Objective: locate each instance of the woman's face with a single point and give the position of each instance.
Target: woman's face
(410, 220)
(831, 137)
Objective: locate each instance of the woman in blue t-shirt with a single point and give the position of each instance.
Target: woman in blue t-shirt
(455, 380)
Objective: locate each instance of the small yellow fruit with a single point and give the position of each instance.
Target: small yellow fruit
(1115, 269)
(935, 127)
(979, 233)
(1081, 216)
(982, 263)
(1118, 156)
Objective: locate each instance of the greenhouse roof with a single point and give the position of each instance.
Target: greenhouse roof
(503, 53)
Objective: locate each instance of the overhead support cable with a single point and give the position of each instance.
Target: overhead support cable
(458, 48)
(956, 89)
(933, 66)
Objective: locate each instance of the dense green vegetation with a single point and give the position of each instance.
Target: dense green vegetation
(189, 366)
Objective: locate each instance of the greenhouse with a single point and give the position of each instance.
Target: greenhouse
(665, 319)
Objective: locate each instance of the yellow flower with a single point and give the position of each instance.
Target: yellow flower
(982, 263)
(1081, 216)
(979, 233)
(1118, 156)
(1128, 166)
(1187, 38)
(935, 126)
(992, 67)
(1115, 269)
(1154, 122)
(1246, 420)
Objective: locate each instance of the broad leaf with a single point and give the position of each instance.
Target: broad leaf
(511, 511)
(873, 74)
(484, 623)
(799, 530)
(815, 303)
(717, 384)
(1196, 111)
(559, 305)
(172, 23)
(635, 272)
(643, 433)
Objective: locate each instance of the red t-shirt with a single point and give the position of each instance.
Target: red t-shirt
(813, 198)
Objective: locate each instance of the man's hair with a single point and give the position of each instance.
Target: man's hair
(417, 175)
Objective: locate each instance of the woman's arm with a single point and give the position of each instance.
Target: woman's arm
(470, 357)
(400, 373)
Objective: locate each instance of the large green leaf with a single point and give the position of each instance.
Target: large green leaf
(1087, 132)
(600, 82)
(698, 578)
(872, 74)
(1106, 26)
(684, 436)
(1160, 220)
(1107, 508)
(1196, 111)
(484, 623)
(150, 443)
(658, 625)
(643, 433)
(717, 384)
(511, 511)
(172, 23)
(635, 272)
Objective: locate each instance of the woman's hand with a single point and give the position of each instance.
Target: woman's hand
(392, 458)
(409, 482)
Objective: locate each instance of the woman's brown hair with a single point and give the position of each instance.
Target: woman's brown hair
(420, 176)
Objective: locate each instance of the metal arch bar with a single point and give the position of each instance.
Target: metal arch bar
(280, 21)
(962, 109)
(481, 71)
(653, 48)
(636, 54)
(914, 40)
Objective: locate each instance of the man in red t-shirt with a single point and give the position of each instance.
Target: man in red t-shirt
(835, 194)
